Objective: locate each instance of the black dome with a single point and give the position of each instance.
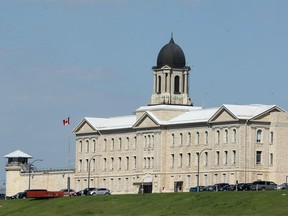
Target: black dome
(172, 55)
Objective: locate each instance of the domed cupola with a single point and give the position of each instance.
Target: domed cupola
(171, 77)
(171, 55)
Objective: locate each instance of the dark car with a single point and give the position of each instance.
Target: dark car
(2, 196)
(195, 189)
(244, 186)
(229, 187)
(220, 186)
(86, 191)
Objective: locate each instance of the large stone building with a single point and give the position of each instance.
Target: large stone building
(170, 144)
(157, 148)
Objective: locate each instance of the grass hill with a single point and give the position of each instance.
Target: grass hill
(204, 203)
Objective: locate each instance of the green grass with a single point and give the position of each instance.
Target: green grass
(204, 203)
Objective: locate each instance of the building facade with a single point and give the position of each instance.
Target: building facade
(169, 145)
(157, 148)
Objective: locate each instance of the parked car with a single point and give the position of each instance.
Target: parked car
(195, 189)
(229, 187)
(282, 186)
(244, 186)
(220, 186)
(100, 191)
(69, 192)
(263, 185)
(2, 196)
(85, 192)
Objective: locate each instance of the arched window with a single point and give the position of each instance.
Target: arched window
(181, 139)
(206, 137)
(173, 139)
(218, 136)
(226, 136)
(258, 136)
(176, 85)
(189, 138)
(87, 146)
(271, 137)
(197, 138)
(159, 85)
(234, 135)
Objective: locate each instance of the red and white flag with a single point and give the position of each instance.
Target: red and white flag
(66, 121)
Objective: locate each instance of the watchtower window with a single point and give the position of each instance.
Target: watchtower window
(176, 85)
(159, 85)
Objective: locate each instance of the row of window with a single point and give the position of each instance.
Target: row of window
(85, 164)
(197, 138)
(180, 158)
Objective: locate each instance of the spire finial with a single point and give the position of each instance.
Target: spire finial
(171, 40)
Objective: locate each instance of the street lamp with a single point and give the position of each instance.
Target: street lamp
(206, 149)
(89, 164)
(30, 165)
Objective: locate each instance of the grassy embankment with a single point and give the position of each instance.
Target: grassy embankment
(204, 203)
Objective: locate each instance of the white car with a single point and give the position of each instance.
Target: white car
(100, 191)
(282, 186)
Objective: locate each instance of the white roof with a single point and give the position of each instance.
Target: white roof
(191, 115)
(112, 123)
(17, 154)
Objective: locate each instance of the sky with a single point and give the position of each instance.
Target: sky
(93, 58)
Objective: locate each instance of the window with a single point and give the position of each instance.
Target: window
(180, 159)
(176, 85)
(81, 146)
(196, 158)
(271, 159)
(80, 165)
(152, 141)
(225, 157)
(127, 143)
(271, 137)
(217, 136)
(135, 142)
(87, 146)
(217, 157)
(105, 164)
(258, 157)
(159, 85)
(112, 163)
(87, 164)
(94, 146)
(173, 139)
(206, 158)
(135, 162)
(120, 144)
(234, 157)
(105, 145)
(206, 137)
(112, 145)
(189, 139)
(234, 135)
(127, 163)
(226, 136)
(119, 163)
(189, 159)
(258, 136)
(172, 160)
(181, 139)
(197, 138)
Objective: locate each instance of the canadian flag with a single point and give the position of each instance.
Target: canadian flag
(66, 121)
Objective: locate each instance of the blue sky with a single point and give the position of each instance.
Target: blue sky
(93, 58)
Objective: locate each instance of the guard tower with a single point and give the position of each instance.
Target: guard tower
(17, 163)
